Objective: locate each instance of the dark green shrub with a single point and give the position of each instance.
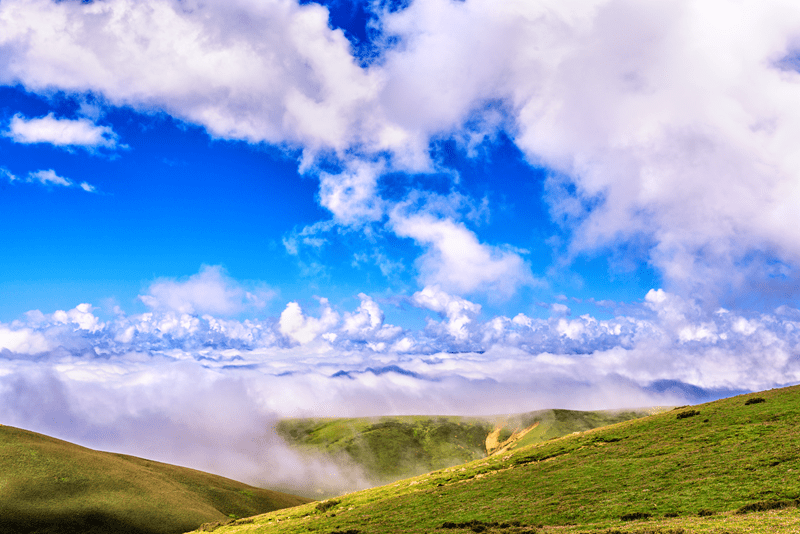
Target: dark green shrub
(324, 506)
(633, 516)
(475, 525)
(688, 413)
(754, 400)
(211, 527)
(705, 513)
(763, 506)
(671, 514)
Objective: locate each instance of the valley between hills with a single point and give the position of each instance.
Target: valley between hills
(728, 466)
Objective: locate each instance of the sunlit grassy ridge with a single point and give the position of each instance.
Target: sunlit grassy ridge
(52, 486)
(388, 448)
(677, 471)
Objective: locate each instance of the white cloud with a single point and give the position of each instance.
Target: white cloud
(61, 132)
(351, 196)
(367, 324)
(455, 260)
(460, 313)
(209, 291)
(309, 236)
(268, 71)
(368, 317)
(23, 340)
(82, 316)
(49, 177)
(676, 122)
(672, 125)
(8, 175)
(303, 329)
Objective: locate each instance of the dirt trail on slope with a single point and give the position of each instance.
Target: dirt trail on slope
(493, 445)
(493, 439)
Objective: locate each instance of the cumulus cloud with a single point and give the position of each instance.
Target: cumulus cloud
(304, 329)
(23, 340)
(81, 316)
(272, 71)
(456, 260)
(459, 312)
(209, 291)
(659, 124)
(61, 132)
(671, 126)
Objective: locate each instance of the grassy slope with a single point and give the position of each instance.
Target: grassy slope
(49, 485)
(390, 448)
(557, 423)
(727, 456)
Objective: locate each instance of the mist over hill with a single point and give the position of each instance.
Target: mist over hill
(53, 486)
(724, 466)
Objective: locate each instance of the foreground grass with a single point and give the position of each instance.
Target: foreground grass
(687, 470)
(390, 448)
(52, 486)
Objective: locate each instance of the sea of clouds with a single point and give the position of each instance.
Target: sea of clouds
(184, 385)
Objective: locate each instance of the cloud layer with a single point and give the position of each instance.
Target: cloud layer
(206, 389)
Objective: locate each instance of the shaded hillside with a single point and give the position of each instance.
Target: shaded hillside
(727, 466)
(390, 448)
(53, 486)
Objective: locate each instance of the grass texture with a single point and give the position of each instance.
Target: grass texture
(53, 486)
(730, 466)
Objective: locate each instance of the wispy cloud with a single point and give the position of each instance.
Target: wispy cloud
(47, 178)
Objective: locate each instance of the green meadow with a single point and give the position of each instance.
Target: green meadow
(390, 448)
(730, 466)
(52, 486)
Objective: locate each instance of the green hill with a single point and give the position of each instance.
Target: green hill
(730, 466)
(52, 486)
(390, 448)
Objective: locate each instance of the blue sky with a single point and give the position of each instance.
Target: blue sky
(539, 204)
